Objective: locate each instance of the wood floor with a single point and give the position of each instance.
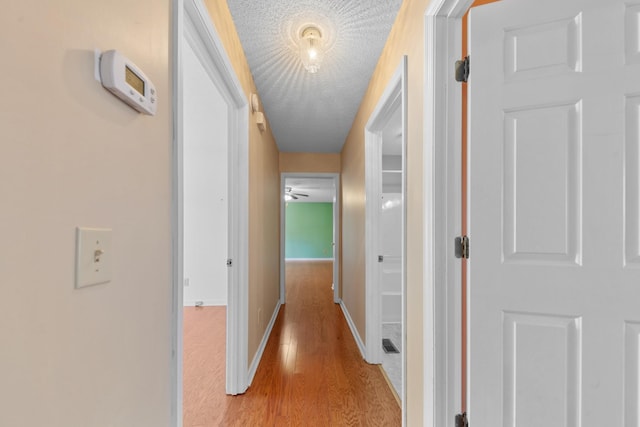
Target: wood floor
(311, 373)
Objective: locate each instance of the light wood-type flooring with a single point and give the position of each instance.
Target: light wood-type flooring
(311, 373)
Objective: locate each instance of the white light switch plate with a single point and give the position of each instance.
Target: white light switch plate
(93, 256)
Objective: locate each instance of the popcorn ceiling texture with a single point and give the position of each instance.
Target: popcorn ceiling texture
(312, 112)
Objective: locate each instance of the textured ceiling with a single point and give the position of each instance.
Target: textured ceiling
(312, 112)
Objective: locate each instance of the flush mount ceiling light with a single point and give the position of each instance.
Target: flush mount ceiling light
(311, 48)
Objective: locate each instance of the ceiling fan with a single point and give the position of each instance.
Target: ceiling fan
(295, 196)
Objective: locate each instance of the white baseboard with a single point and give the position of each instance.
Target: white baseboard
(205, 303)
(354, 330)
(267, 333)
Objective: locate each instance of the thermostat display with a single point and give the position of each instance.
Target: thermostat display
(136, 82)
(126, 81)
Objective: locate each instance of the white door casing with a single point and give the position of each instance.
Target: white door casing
(191, 19)
(336, 241)
(554, 271)
(442, 212)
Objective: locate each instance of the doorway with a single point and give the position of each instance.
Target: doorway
(385, 228)
(303, 191)
(205, 86)
(205, 220)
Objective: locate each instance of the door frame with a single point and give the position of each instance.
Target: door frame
(191, 19)
(394, 96)
(442, 212)
(336, 230)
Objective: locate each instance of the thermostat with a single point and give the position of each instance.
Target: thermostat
(126, 81)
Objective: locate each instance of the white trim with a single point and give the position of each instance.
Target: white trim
(307, 259)
(394, 96)
(354, 330)
(442, 212)
(177, 202)
(191, 19)
(263, 344)
(336, 242)
(336, 232)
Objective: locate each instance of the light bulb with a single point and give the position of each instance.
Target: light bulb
(311, 49)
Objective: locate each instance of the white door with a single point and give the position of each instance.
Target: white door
(554, 285)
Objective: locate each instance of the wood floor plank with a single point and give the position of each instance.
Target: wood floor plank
(311, 373)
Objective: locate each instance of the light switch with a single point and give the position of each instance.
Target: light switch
(93, 256)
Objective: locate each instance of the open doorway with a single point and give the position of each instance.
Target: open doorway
(210, 191)
(310, 226)
(385, 171)
(205, 220)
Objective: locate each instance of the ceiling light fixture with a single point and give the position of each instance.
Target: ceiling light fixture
(311, 48)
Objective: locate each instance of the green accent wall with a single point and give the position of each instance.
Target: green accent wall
(309, 230)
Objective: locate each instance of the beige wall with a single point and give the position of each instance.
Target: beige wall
(406, 38)
(264, 190)
(309, 163)
(71, 154)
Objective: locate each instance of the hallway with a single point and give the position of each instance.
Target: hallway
(311, 373)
